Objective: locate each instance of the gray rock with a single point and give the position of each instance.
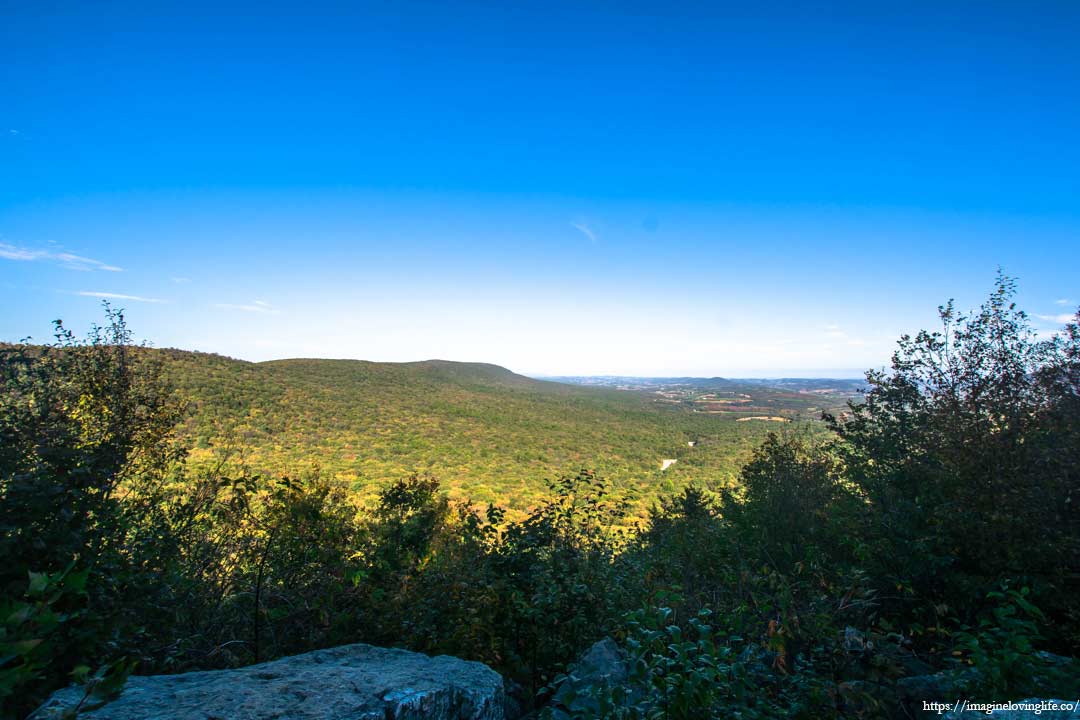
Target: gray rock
(917, 688)
(1021, 710)
(603, 665)
(855, 641)
(352, 682)
(956, 683)
(1056, 661)
(912, 665)
(605, 660)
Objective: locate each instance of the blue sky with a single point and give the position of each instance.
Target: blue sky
(580, 188)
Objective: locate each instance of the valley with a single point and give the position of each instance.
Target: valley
(489, 435)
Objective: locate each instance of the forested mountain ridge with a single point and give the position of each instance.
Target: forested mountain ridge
(489, 434)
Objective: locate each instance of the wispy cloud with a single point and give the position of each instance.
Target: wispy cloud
(181, 280)
(76, 262)
(10, 252)
(118, 296)
(1064, 301)
(1061, 319)
(64, 259)
(585, 230)
(255, 306)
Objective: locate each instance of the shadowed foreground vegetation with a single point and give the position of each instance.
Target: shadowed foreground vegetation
(934, 529)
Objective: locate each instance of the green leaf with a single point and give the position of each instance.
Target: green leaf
(39, 582)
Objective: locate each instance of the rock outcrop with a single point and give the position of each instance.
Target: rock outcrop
(352, 682)
(602, 665)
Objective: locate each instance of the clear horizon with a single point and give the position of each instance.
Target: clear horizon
(704, 190)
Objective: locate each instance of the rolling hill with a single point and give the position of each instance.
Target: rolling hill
(488, 434)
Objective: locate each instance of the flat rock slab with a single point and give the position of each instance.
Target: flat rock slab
(351, 682)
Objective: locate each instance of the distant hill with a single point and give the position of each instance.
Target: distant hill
(635, 381)
(489, 434)
(840, 386)
(463, 373)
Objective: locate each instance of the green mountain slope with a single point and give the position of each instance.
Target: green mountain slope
(490, 435)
